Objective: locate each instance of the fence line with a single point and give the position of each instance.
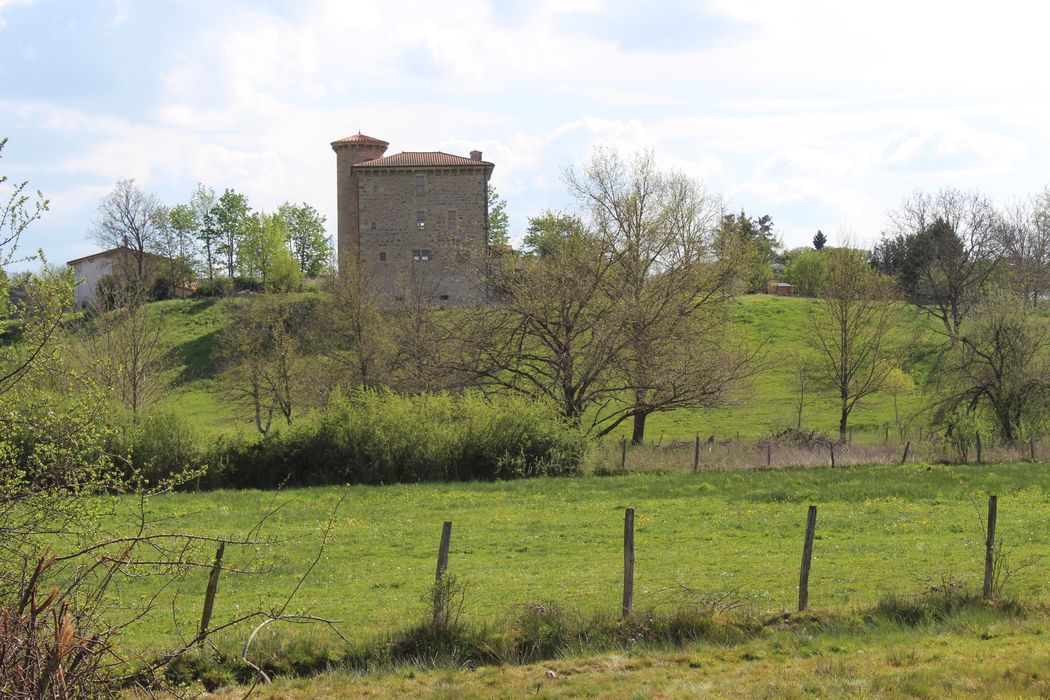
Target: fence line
(697, 454)
(627, 606)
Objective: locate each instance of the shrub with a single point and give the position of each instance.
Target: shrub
(162, 445)
(218, 287)
(377, 437)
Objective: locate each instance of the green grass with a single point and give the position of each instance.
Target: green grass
(880, 530)
(193, 327)
(979, 654)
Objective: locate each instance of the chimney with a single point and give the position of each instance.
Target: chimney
(475, 155)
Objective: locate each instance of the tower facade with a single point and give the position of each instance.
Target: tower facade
(349, 152)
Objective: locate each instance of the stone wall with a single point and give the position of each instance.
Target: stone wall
(439, 257)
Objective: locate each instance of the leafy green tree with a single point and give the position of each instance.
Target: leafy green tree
(551, 230)
(202, 203)
(807, 271)
(309, 242)
(232, 219)
(262, 254)
(819, 240)
(499, 222)
(176, 243)
(755, 240)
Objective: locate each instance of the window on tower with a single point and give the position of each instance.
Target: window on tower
(419, 184)
(452, 218)
(421, 219)
(421, 255)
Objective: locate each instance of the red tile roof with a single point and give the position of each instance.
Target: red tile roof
(361, 138)
(421, 159)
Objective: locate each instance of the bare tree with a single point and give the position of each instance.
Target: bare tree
(353, 330)
(1026, 244)
(264, 367)
(1000, 367)
(852, 331)
(555, 329)
(129, 217)
(945, 249)
(671, 285)
(123, 351)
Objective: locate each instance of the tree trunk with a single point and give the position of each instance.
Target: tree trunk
(843, 420)
(639, 428)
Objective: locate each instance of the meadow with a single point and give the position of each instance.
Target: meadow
(880, 530)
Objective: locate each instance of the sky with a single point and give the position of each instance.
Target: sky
(824, 115)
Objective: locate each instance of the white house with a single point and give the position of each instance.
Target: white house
(116, 262)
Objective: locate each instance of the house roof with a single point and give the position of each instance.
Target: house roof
(422, 159)
(107, 254)
(361, 138)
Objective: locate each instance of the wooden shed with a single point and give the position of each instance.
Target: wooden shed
(780, 289)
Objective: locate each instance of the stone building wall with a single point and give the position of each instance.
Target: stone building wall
(440, 256)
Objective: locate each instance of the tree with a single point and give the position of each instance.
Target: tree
(128, 217)
(309, 243)
(263, 255)
(754, 240)
(944, 250)
(177, 227)
(232, 219)
(353, 331)
(1000, 368)
(806, 272)
(852, 331)
(671, 289)
(1026, 247)
(124, 353)
(203, 203)
(898, 382)
(554, 331)
(819, 240)
(264, 366)
(499, 221)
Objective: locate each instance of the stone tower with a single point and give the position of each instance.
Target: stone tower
(349, 152)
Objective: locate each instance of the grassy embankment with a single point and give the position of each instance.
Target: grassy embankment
(977, 654)
(192, 330)
(880, 530)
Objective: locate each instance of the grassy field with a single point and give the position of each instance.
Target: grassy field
(977, 654)
(192, 329)
(880, 530)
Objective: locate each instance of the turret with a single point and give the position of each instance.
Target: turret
(349, 152)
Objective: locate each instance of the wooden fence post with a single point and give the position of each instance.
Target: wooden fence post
(807, 559)
(1031, 449)
(989, 547)
(623, 455)
(696, 454)
(209, 593)
(442, 566)
(978, 448)
(769, 453)
(628, 562)
(907, 449)
(832, 455)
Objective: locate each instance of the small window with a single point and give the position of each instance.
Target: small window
(443, 297)
(382, 256)
(452, 218)
(421, 219)
(419, 184)
(421, 255)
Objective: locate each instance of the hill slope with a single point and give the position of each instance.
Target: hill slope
(193, 328)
